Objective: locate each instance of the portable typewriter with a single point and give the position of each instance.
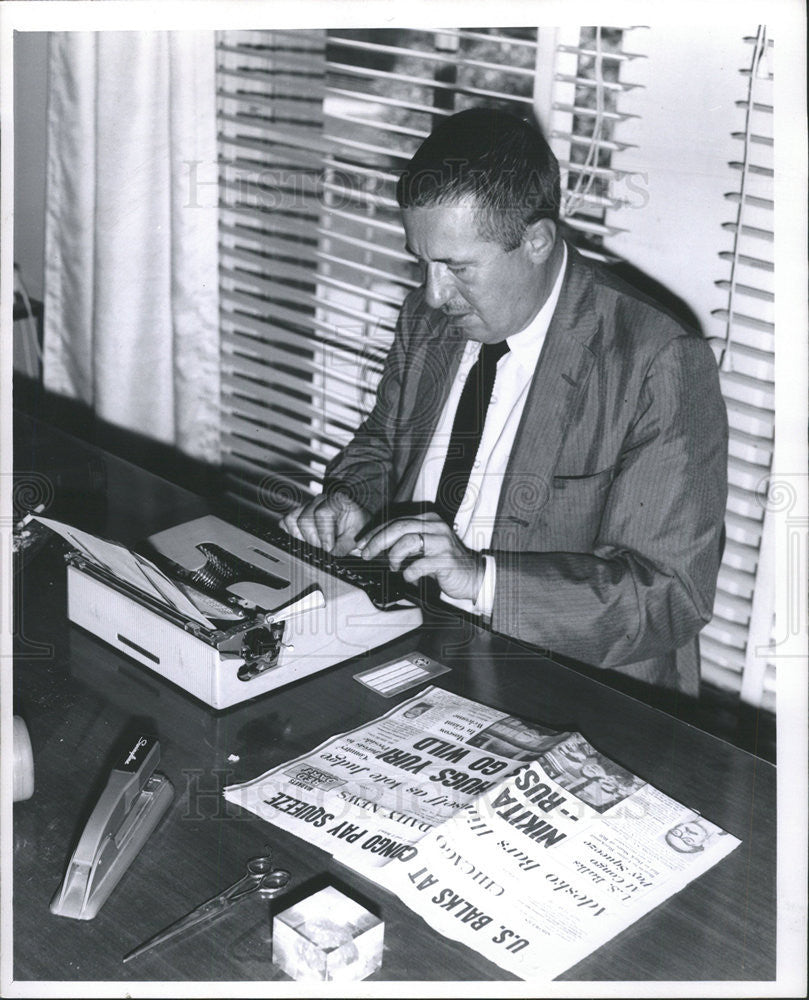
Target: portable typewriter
(271, 609)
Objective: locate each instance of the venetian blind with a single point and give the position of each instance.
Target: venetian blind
(270, 111)
(733, 643)
(314, 128)
(582, 112)
(703, 232)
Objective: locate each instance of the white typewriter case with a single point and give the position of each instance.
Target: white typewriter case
(208, 664)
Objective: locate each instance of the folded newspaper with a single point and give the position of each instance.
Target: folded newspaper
(522, 842)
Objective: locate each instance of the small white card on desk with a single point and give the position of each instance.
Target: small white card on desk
(400, 674)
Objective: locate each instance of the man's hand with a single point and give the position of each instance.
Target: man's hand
(331, 522)
(433, 549)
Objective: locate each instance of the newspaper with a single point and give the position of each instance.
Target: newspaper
(523, 842)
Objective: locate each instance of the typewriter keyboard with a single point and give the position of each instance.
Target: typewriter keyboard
(384, 588)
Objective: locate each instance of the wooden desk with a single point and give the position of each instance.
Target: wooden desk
(82, 702)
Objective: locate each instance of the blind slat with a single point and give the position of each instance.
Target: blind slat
(290, 389)
(268, 333)
(267, 441)
(750, 420)
(436, 85)
(585, 226)
(755, 262)
(745, 320)
(299, 271)
(753, 292)
(736, 582)
(589, 141)
(583, 111)
(427, 56)
(281, 428)
(270, 244)
(243, 395)
(500, 36)
(605, 172)
(587, 83)
(603, 53)
(752, 363)
(750, 448)
(720, 664)
(385, 129)
(732, 608)
(295, 136)
(235, 444)
(260, 338)
(302, 86)
(745, 474)
(268, 495)
(248, 280)
(754, 169)
(743, 530)
(390, 102)
(378, 249)
(731, 635)
(754, 231)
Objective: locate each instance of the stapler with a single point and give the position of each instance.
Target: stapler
(130, 807)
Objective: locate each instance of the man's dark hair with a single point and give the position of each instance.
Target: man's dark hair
(494, 157)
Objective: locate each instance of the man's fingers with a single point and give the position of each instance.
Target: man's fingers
(326, 522)
(289, 522)
(426, 546)
(325, 525)
(344, 544)
(307, 524)
(384, 537)
(409, 546)
(415, 570)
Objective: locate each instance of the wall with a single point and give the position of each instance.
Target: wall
(679, 149)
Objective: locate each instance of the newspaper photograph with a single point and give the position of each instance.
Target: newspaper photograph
(525, 843)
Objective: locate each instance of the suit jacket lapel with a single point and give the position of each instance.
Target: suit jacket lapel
(561, 375)
(438, 360)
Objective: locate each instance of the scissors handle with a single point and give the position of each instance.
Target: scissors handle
(271, 883)
(247, 884)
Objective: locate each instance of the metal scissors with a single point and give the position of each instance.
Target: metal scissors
(262, 877)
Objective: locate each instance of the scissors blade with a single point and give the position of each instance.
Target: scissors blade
(205, 911)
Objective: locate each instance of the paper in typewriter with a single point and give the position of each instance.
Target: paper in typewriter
(128, 567)
(526, 844)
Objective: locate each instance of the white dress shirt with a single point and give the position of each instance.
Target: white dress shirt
(474, 521)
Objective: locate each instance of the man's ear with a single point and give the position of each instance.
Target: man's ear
(539, 240)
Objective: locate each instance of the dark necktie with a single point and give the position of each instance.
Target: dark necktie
(467, 429)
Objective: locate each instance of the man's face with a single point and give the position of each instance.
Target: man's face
(609, 785)
(592, 769)
(415, 711)
(691, 834)
(489, 292)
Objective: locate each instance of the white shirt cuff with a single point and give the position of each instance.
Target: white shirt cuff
(484, 602)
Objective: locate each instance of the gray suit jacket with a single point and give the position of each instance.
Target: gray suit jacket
(608, 533)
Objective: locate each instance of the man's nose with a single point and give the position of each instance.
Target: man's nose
(438, 285)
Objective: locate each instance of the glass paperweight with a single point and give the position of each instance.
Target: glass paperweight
(328, 937)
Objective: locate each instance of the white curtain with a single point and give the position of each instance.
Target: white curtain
(131, 300)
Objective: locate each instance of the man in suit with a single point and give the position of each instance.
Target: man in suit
(588, 519)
